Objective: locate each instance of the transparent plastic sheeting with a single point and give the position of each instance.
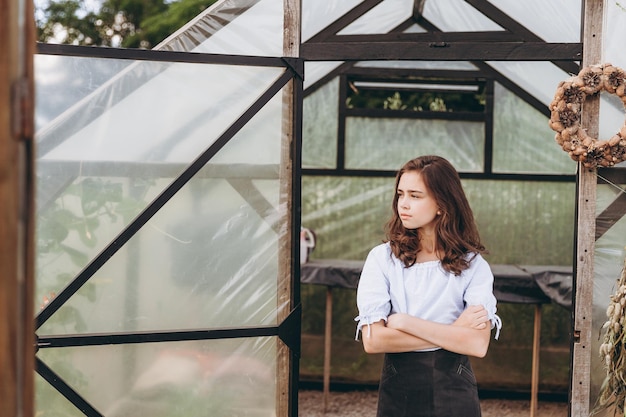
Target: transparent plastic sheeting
(380, 19)
(522, 140)
(224, 27)
(317, 70)
(233, 27)
(609, 260)
(614, 33)
(63, 82)
(461, 142)
(529, 147)
(49, 402)
(552, 21)
(541, 79)
(219, 378)
(150, 111)
(521, 222)
(316, 15)
(208, 259)
(457, 16)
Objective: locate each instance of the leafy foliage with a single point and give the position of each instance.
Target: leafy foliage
(418, 99)
(117, 23)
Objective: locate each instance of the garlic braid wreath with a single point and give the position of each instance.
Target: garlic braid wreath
(566, 113)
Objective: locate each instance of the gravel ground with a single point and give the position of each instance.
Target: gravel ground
(363, 404)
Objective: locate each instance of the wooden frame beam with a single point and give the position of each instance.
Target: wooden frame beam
(441, 51)
(434, 36)
(288, 280)
(586, 187)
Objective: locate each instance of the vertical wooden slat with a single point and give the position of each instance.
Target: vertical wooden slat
(328, 337)
(534, 383)
(285, 389)
(16, 213)
(586, 224)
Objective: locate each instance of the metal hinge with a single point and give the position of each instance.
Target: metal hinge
(22, 110)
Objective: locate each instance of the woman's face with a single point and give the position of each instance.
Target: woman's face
(417, 209)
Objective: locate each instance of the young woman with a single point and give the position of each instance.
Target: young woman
(425, 297)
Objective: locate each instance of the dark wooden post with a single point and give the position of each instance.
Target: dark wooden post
(287, 363)
(16, 216)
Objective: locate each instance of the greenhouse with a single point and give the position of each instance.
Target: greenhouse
(203, 209)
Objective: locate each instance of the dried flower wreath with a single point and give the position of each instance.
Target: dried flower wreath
(566, 114)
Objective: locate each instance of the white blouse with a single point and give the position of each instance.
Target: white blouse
(423, 290)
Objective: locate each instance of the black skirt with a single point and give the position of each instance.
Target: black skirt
(427, 384)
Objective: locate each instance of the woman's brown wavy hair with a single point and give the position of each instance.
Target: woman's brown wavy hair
(457, 234)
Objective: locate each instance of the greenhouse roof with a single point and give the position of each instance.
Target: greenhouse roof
(532, 45)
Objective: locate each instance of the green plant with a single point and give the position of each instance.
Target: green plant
(68, 231)
(394, 102)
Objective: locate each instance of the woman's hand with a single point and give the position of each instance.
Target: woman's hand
(468, 335)
(398, 321)
(474, 317)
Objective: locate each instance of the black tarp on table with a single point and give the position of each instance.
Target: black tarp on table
(526, 284)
